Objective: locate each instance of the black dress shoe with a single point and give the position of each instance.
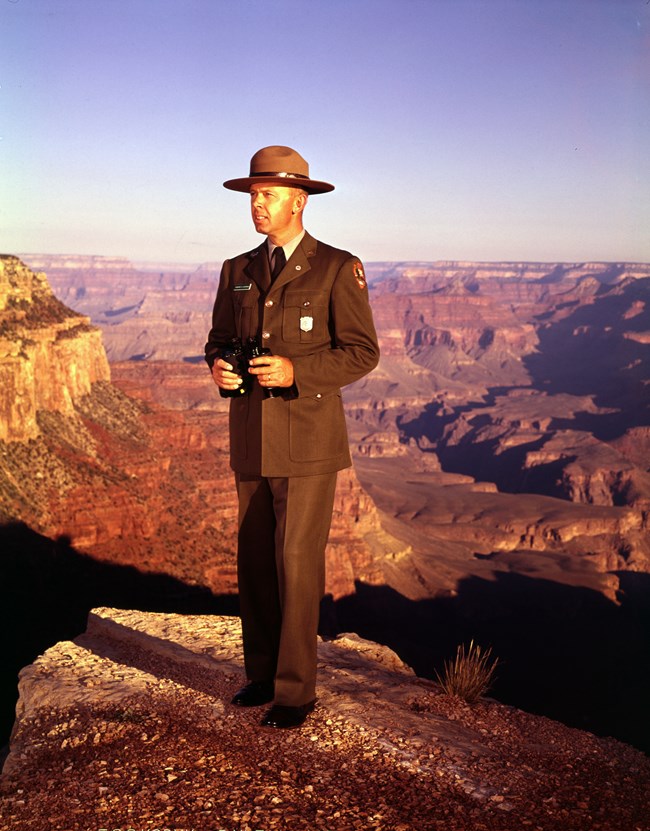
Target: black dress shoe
(254, 694)
(284, 717)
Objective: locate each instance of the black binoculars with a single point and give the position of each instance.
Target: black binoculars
(238, 355)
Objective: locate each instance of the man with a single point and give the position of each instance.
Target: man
(308, 304)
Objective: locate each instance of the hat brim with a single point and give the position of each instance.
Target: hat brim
(309, 185)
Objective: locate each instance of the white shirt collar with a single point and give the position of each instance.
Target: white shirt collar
(289, 247)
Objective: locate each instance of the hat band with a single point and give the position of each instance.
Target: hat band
(279, 174)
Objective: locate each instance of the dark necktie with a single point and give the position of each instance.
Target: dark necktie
(279, 262)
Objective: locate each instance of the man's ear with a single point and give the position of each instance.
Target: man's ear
(299, 202)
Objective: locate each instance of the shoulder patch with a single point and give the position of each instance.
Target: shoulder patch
(359, 275)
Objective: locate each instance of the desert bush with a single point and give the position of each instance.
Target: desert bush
(470, 674)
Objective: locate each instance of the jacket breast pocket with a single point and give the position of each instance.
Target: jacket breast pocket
(304, 316)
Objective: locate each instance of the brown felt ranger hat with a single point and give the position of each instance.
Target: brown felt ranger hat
(279, 165)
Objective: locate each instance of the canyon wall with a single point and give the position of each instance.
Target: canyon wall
(500, 378)
(50, 356)
(146, 312)
(501, 452)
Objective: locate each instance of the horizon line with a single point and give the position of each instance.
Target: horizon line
(400, 261)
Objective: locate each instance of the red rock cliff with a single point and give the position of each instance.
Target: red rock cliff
(50, 356)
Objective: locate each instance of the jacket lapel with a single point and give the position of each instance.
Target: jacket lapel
(258, 268)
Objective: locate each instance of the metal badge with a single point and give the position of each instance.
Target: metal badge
(242, 287)
(306, 323)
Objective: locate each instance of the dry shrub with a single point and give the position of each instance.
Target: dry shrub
(470, 674)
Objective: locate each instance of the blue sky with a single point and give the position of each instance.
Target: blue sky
(452, 129)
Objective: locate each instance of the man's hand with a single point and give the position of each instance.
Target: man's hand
(224, 377)
(272, 370)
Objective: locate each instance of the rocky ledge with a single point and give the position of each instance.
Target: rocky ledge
(130, 727)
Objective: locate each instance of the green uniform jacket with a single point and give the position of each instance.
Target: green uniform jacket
(317, 314)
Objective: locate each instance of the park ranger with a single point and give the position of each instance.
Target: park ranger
(291, 325)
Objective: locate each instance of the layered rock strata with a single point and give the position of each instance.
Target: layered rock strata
(50, 356)
(146, 312)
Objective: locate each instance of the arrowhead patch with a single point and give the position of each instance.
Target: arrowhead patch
(359, 275)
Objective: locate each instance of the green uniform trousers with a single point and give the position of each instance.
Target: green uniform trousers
(283, 529)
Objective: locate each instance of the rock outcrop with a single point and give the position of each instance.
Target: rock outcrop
(50, 356)
(130, 726)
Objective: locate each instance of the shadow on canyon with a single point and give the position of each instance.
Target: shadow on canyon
(564, 652)
(599, 350)
(48, 588)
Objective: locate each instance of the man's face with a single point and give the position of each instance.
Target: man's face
(274, 209)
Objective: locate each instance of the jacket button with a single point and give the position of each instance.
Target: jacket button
(306, 303)
(268, 303)
(318, 395)
(266, 335)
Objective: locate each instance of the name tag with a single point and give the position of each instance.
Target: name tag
(243, 287)
(306, 323)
